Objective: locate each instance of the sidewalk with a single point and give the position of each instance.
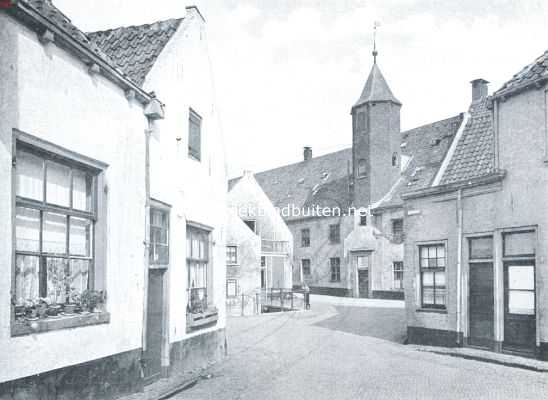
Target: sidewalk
(486, 356)
(356, 302)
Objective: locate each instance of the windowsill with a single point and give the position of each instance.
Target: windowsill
(201, 320)
(432, 310)
(62, 322)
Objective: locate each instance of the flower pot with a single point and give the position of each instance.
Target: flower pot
(53, 310)
(69, 308)
(32, 313)
(42, 312)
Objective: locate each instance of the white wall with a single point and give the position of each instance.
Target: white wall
(57, 100)
(181, 77)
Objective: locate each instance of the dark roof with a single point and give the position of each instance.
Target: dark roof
(426, 146)
(322, 181)
(376, 88)
(532, 73)
(474, 155)
(134, 49)
(47, 10)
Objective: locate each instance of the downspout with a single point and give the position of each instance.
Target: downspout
(459, 265)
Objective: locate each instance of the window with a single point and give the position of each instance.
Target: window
(305, 237)
(519, 244)
(305, 263)
(432, 275)
(361, 122)
(198, 268)
(397, 227)
(231, 288)
(194, 135)
(335, 264)
(520, 289)
(55, 219)
(363, 220)
(251, 224)
(362, 168)
(159, 237)
(481, 248)
(398, 275)
(231, 255)
(335, 233)
(395, 159)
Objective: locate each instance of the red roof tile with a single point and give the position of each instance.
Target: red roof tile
(537, 70)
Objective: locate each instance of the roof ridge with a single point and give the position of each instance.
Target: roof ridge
(459, 115)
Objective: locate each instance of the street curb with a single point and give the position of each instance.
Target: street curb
(488, 360)
(177, 389)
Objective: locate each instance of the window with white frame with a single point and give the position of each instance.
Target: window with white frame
(159, 236)
(398, 275)
(335, 266)
(194, 135)
(432, 275)
(55, 220)
(231, 288)
(231, 255)
(198, 243)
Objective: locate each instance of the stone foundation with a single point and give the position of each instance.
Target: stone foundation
(433, 337)
(330, 291)
(388, 294)
(196, 353)
(105, 378)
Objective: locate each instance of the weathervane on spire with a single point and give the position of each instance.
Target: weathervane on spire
(376, 24)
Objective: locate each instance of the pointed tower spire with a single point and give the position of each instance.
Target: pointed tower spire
(376, 24)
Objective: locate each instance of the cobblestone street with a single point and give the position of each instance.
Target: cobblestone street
(349, 349)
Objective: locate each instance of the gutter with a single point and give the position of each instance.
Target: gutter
(460, 212)
(39, 23)
(503, 94)
(496, 176)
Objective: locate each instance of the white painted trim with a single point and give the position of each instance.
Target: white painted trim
(451, 151)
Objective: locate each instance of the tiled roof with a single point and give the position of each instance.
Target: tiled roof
(425, 147)
(376, 88)
(532, 73)
(134, 49)
(474, 155)
(47, 10)
(322, 181)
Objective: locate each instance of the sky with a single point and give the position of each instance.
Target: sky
(287, 72)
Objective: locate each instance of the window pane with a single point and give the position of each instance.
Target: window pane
(27, 229)
(440, 296)
(521, 277)
(439, 278)
(58, 184)
(57, 285)
(481, 247)
(521, 302)
(79, 274)
(428, 296)
(519, 243)
(424, 252)
(80, 237)
(26, 278)
(441, 262)
(432, 252)
(29, 176)
(81, 190)
(441, 251)
(428, 279)
(231, 286)
(55, 233)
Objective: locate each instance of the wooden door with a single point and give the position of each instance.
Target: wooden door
(154, 329)
(363, 282)
(481, 305)
(519, 306)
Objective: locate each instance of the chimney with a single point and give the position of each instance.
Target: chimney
(479, 89)
(307, 152)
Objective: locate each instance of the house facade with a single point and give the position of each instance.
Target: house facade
(259, 244)
(96, 251)
(475, 243)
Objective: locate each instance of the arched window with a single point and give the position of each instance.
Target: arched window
(395, 159)
(362, 168)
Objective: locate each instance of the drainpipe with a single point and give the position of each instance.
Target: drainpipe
(153, 111)
(459, 265)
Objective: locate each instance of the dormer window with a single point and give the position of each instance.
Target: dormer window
(362, 168)
(194, 135)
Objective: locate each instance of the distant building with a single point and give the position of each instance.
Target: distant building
(259, 243)
(354, 253)
(113, 266)
(475, 247)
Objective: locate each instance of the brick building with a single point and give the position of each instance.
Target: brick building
(475, 248)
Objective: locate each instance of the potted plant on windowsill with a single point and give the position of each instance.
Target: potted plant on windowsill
(93, 300)
(42, 307)
(31, 312)
(74, 301)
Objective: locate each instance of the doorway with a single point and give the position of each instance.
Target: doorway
(152, 356)
(362, 262)
(481, 305)
(519, 307)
